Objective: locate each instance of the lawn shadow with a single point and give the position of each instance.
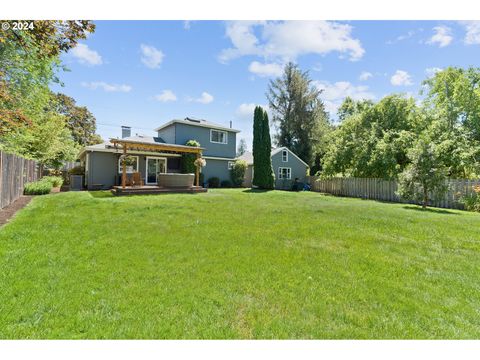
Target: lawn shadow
(99, 194)
(431, 210)
(256, 190)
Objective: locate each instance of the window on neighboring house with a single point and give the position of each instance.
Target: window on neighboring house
(284, 155)
(217, 136)
(284, 173)
(230, 165)
(131, 168)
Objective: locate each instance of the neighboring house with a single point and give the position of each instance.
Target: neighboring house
(102, 161)
(286, 166)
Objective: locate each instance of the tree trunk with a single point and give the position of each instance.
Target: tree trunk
(425, 197)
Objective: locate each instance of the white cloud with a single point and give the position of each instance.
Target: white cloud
(286, 40)
(401, 78)
(365, 75)
(333, 94)
(472, 36)
(245, 110)
(205, 98)
(166, 96)
(85, 55)
(94, 85)
(265, 70)
(442, 36)
(151, 56)
(430, 72)
(405, 36)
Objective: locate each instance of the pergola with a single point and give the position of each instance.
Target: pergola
(155, 147)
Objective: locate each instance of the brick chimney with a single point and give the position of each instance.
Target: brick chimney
(126, 131)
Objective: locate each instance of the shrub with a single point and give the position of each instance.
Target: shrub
(472, 201)
(40, 187)
(226, 184)
(214, 182)
(237, 173)
(424, 177)
(188, 160)
(77, 170)
(56, 181)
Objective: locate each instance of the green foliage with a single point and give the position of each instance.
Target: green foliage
(242, 147)
(77, 170)
(299, 113)
(454, 93)
(373, 139)
(56, 181)
(214, 182)
(424, 177)
(79, 120)
(226, 184)
(188, 160)
(237, 172)
(40, 187)
(28, 63)
(263, 176)
(472, 201)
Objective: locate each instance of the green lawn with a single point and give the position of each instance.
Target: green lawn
(237, 264)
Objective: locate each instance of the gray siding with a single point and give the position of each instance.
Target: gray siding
(216, 168)
(168, 134)
(101, 169)
(299, 170)
(185, 132)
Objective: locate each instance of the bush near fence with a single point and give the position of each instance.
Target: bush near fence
(385, 190)
(15, 172)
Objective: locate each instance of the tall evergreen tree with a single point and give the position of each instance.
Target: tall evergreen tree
(257, 146)
(269, 177)
(298, 112)
(262, 163)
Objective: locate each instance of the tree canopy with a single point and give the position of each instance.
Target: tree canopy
(297, 112)
(29, 63)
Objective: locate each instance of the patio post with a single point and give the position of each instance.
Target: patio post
(197, 171)
(124, 166)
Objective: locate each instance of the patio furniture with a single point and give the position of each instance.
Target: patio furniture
(137, 179)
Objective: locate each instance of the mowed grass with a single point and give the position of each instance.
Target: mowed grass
(237, 264)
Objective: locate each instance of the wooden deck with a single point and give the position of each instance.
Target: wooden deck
(147, 190)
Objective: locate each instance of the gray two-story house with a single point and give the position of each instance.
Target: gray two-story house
(103, 167)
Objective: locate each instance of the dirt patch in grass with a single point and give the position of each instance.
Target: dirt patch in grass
(8, 212)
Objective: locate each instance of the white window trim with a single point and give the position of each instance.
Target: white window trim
(230, 165)
(219, 142)
(286, 152)
(120, 169)
(289, 173)
(146, 167)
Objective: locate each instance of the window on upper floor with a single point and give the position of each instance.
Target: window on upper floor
(218, 136)
(284, 155)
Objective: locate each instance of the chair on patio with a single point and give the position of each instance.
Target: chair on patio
(137, 179)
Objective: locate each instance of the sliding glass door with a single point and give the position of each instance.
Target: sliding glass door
(155, 166)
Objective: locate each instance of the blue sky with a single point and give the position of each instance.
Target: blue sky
(144, 73)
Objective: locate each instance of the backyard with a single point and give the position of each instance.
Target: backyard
(237, 264)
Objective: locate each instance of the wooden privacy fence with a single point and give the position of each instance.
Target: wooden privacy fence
(15, 172)
(385, 190)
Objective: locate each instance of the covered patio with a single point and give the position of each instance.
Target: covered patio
(170, 182)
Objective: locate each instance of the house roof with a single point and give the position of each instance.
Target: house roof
(197, 122)
(248, 156)
(137, 139)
